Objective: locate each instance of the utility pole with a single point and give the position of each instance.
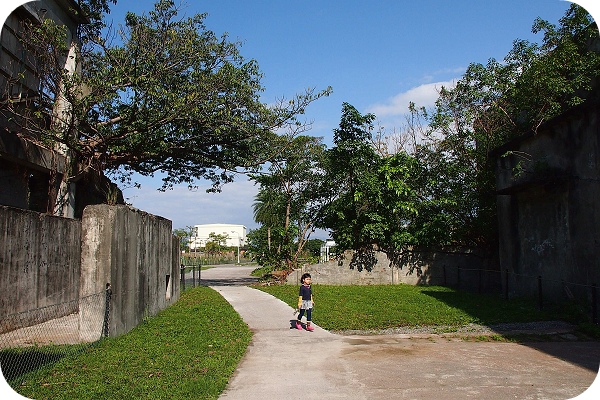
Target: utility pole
(238, 245)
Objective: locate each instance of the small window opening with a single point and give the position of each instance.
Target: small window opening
(168, 294)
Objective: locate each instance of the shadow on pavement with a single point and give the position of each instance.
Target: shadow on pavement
(221, 275)
(584, 354)
(229, 282)
(556, 340)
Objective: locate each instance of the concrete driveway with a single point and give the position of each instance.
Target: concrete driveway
(283, 363)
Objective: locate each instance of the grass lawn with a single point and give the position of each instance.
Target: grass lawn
(189, 350)
(375, 307)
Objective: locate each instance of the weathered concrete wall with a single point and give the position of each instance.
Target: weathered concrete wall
(52, 266)
(339, 272)
(456, 267)
(39, 267)
(548, 208)
(135, 253)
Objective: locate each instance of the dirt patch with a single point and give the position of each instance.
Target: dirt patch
(430, 366)
(63, 330)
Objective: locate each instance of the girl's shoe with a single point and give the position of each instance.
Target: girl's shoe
(299, 326)
(310, 328)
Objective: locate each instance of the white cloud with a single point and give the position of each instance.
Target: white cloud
(423, 96)
(443, 72)
(185, 207)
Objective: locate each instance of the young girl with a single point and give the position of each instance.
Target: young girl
(305, 303)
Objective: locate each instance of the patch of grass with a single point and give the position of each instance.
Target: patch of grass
(488, 338)
(261, 271)
(20, 361)
(189, 350)
(589, 329)
(389, 306)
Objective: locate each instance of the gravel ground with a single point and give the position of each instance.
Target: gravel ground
(540, 327)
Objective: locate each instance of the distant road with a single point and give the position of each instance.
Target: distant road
(225, 275)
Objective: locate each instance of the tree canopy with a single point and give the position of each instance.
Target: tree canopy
(494, 103)
(288, 202)
(351, 167)
(163, 94)
(441, 191)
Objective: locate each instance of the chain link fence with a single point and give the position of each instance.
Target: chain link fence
(30, 341)
(190, 276)
(509, 283)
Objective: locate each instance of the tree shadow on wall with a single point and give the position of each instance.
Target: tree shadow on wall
(412, 260)
(363, 259)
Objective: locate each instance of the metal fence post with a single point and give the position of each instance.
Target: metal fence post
(183, 276)
(444, 269)
(108, 296)
(506, 285)
(540, 296)
(594, 304)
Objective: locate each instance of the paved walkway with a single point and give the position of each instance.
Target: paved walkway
(285, 363)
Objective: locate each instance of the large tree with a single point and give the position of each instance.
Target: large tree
(289, 198)
(163, 94)
(492, 104)
(375, 196)
(441, 190)
(352, 165)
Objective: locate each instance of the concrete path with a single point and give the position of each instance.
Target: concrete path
(284, 363)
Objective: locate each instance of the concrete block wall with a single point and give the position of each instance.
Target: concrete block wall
(136, 254)
(51, 267)
(338, 272)
(39, 267)
(417, 268)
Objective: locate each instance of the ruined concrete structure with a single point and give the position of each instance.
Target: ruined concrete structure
(34, 176)
(549, 206)
(51, 267)
(457, 267)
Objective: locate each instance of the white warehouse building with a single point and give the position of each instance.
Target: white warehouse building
(236, 235)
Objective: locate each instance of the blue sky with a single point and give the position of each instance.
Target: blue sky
(376, 55)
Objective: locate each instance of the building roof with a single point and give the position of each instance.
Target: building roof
(215, 225)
